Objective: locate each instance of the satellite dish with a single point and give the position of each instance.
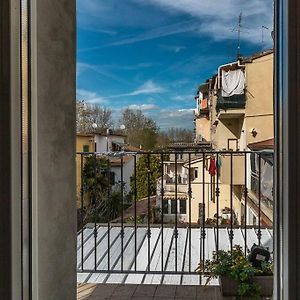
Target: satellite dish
(122, 127)
(94, 125)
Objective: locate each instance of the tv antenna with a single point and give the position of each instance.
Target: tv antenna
(263, 37)
(239, 30)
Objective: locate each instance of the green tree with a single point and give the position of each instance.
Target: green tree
(140, 129)
(103, 200)
(147, 167)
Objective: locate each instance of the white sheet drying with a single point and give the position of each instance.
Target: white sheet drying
(233, 83)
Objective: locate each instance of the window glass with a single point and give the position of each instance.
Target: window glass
(173, 206)
(166, 206)
(183, 206)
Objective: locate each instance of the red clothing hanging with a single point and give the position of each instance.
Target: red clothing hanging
(212, 170)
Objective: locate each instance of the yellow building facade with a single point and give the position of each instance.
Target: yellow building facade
(84, 143)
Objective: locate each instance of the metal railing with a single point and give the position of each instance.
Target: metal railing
(123, 223)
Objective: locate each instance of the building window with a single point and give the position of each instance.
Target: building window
(112, 178)
(179, 156)
(86, 148)
(179, 179)
(196, 173)
(166, 206)
(182, 205)
(201, 212)
(173, 206)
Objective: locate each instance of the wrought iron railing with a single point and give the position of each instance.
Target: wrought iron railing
(124, 226)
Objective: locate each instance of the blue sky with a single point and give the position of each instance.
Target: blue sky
(152, 54)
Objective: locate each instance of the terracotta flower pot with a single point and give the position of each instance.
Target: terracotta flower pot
(229, 286)
(266, 285)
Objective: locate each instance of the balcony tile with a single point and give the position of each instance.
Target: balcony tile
(186, 292)
(124, 290)
(104, 290)
(165, 291)
(145, 291)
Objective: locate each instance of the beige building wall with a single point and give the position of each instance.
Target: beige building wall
(203, 126)
(210, 199)
(81, 140)
(228, 128)
(259, 104)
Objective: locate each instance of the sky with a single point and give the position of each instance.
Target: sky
(152, 54)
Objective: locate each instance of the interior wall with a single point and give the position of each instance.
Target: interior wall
(53, 75)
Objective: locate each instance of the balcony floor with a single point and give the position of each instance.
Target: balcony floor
(87, 291)
(145, 292)
(169, 248)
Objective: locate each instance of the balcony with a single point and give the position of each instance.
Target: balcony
(119, 243)
(233, 102)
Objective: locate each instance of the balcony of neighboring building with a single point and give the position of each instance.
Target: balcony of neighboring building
(231, 87)
(236, 102)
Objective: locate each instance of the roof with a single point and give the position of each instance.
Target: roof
(131, 148)
(85, 134)
(141, 208)
(116, 161)
(257, 55)
(266, 144)
(184, 145)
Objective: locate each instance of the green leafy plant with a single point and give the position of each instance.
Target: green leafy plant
(148, 170)
(236, 266)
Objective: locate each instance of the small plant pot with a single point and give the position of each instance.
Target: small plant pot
(266, 285)
(229, 287)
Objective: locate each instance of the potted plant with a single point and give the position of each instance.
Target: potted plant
(237, 275)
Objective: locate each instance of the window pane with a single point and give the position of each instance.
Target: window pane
(183, 206)
(173, 206)
(112, 178)
(165, 206)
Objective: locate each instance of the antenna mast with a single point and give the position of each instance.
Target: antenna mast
(239, 29)
(262, 36)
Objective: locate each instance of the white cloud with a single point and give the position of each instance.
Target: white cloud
(100, 70)
(213, 18)
(158, 32)
(183, 98)
(175, 118)
(220, 17)
(143, 107)
(149, 87)
(173, 48)
(90, 97)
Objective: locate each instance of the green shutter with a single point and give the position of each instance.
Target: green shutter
(86, 148)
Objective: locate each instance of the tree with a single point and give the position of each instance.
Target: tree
(175, 135)
(103, 202)
(87, 114)
(140, 129)
(148, 169)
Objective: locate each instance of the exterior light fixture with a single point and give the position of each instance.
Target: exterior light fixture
(258, 255)
(254, 132)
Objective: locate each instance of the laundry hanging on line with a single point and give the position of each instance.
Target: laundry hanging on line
(212, 166)
(204, 103)
(233, 83)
